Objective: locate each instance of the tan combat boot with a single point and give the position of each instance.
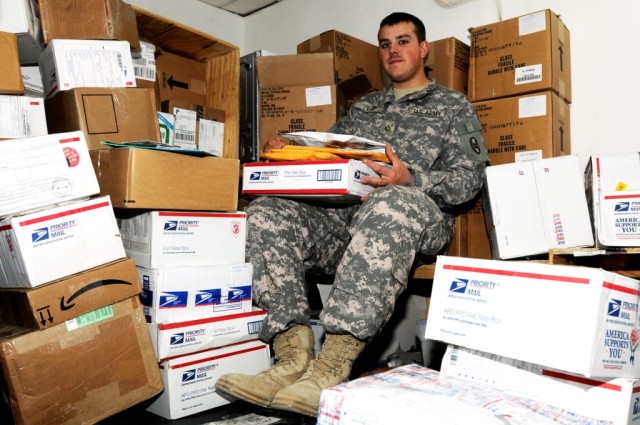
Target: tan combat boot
(332, 367)
(293, 353)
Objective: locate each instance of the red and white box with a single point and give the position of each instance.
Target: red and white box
(581, 320)
(180, 338)
(38, 172)
(43, 246)
(619, 218)
(337, 179)
(177, 294)
(157, 239)
(189, 381)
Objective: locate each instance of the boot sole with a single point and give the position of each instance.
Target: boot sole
(294, 406)
(243, 395)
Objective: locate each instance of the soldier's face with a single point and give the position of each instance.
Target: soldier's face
(401, 54)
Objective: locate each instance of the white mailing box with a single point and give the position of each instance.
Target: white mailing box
(616, 172)
(619, 215)
(22, 116)
(32, 81)
(413, 394)
(42, 171)
(534, 206)
(21, 17)
(189, 381)
(327, 180)
(50, 244)
(156, 239)
(577, 319)
(67, 64)
(615, 399)
(180, 338)
(176, 294)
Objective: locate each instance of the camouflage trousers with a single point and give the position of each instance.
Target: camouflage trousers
(369, 247)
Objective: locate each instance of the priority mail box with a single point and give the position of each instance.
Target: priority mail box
(409, 393)
(525, 54)
(80, 371)
(22, 116)
(606, 173)
(105, 114)
(153, 179)
(189, 381)
(327, 180)
(21, 17)
(532, 207)
(88, 19)
(177, 339)
(184, 238)
(67, 64)
(37, 172)
(448, 63)
(11, 82)
(523, 127)
(614, 400)
(56, 242)
(578, 319)
(176, 294)
(69, 297)
(619, 223)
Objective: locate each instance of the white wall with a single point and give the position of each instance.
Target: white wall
(605, 92)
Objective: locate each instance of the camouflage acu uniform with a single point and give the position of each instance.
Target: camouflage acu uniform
(369, 247)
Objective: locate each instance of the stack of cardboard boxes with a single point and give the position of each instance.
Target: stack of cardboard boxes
(83, 224)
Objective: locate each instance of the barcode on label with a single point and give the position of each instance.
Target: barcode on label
(185, 136)
(120, 62)
(454, 356)
(529, 77)
(144, 73)
(254, 327)
(329, 175)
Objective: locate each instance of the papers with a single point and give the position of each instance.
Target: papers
(331, 140)
(150, 144)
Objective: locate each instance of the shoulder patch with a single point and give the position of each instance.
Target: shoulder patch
(470, 134)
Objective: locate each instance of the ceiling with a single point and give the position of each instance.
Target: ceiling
(241, 7)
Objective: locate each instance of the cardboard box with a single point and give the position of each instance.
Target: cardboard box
(331, 180)
(66, 373)
(22, 116)
(148, 179)
(605, 399)
(69, 297)
(448, 63)
(619, 223)
(604, 174)
(526, 54)
(548, 195)
(525, 127)
(67, 64)
(297, 93)
(181, 78)
(172, 340)
(52, 169)
(89, 20)
(21, 17)
(351, 56)
(177, 294)
(157, 239)
(11, 81)
(32, 80)
(406, 394)
(495, 306)
(189, 381)
(47, 245)
(470, 236)
(105, 114)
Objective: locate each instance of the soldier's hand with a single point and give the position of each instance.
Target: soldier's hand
(398, 173)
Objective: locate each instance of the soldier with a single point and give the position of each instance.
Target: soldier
(437, 155)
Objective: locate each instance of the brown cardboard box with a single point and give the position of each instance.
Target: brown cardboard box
(448, 63)
(89, 20)
(10, 75)
(520, 55)
(48, 305)
(113, 114)
(352, 56)
(180, 78)
(297, 93)
(80, 372)
(150, 179)
(470, 237)
(520, 125)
